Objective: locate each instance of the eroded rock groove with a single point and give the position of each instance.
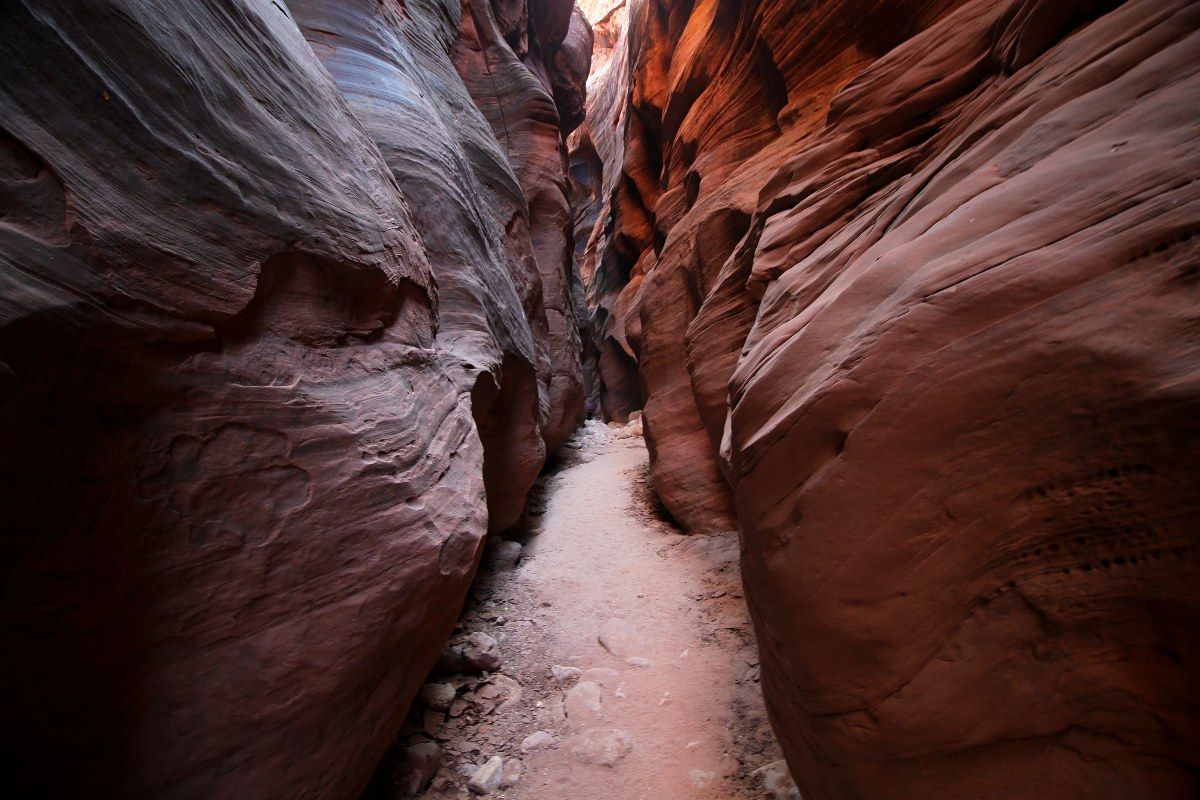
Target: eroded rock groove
(301, 302)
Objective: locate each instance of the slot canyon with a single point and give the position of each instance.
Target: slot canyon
(600, 399)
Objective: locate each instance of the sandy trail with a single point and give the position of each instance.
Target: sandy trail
(669, 710)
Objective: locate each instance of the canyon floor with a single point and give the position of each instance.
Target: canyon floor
(627, 662)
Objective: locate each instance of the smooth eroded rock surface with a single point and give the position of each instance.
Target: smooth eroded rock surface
(271, 321)
(910, 293)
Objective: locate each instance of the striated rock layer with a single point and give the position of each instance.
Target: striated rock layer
(273, 315)
(516, 70)
(911, 292)
(482, 197)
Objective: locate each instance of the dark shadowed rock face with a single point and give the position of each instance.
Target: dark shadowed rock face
(922, 290)
(265, 336)
(488, 195)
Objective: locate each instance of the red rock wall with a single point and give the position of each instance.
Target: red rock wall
(271, 320)
(911, 289)
(520, 72)
(605, 256)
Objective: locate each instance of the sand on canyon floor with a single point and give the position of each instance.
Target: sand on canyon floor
(627, 669)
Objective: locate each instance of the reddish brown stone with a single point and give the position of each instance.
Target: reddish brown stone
(918, 280)
(516, 89)
(264, 338)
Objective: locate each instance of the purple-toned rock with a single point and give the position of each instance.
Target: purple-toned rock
(268, 331)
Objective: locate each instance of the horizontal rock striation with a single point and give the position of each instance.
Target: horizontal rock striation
(521, 73)
(276, 351)
(911, 292)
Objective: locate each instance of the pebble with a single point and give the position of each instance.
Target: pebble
(512, 773)
(416, 768)
(565, 674)
(438, 696)
(537, 741)
(601, 746)
(620, 638)
(487, 778)
(638, 661)
(582, 704)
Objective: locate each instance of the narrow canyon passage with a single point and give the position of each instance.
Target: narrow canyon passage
(517, 399)
(627, 664)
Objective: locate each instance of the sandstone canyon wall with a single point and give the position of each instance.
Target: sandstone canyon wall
(285, 326)
(909, 289)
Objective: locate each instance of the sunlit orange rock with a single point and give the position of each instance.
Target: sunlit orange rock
(918, 281)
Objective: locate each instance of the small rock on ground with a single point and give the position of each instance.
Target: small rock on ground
(512, 773)
(777, 780)
(504, 554)
(477, 652)
(438, 696)
(487, 778)
(565, 674)
(601, 746)
(583, 705)
(537, 740)
(416, 768)
(620, 638)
